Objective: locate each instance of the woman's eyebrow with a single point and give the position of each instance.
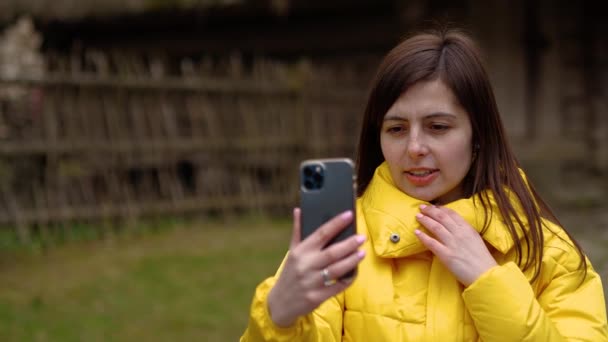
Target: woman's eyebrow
(389, 117)
(439, 114)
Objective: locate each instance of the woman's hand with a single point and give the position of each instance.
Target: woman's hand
(301, 286)
(456, 243)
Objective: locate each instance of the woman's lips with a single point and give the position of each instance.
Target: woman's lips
(421, 177)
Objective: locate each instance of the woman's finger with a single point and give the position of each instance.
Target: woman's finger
(331, 255)
(337, 251)
(439, 215)
(327, 231)
(436, 247)
(296, 233)
(342, 267)
(323, 293)
(458, 227)
(459, 220)
(436, 228)
(314, 279)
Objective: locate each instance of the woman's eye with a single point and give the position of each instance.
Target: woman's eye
(395, 129)
(439, 127)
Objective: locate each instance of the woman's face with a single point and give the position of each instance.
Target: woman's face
(426, 139)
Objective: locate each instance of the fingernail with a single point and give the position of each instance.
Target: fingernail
(417, 232)
(361, 254)
(419, 215)
(360, 238)
(422, 206)
(347, 215)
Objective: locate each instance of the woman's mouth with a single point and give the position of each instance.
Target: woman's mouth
(421, 177)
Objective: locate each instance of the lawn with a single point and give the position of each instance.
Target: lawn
(188, 283)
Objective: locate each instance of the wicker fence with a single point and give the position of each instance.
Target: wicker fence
(106, 143)
(106, 137)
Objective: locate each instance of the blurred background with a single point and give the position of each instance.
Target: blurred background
(149, 148)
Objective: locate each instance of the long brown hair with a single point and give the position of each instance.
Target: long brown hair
(453, 57)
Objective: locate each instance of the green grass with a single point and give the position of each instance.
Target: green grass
(173, 280)
(189, 283)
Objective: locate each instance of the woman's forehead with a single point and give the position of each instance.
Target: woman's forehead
(426, 99)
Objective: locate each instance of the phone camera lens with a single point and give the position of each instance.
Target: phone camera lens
(308, 184)
(308, 171)
(312, 177)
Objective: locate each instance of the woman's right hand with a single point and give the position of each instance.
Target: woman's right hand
(301, 285)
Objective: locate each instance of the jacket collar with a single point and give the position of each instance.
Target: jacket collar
(387, 210)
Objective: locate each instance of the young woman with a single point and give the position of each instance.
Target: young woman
(454, 243)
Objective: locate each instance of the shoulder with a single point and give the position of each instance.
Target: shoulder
(559, 248)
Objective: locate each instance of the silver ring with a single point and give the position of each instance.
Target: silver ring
(327, 281)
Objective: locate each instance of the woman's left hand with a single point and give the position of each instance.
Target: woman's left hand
(455, 243)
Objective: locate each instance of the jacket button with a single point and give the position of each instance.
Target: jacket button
(395, 237)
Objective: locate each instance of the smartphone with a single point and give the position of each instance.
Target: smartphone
(327, 188)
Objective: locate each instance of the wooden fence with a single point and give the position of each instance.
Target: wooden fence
(107, 136)
(103, 144)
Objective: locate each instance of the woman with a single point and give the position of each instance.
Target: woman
(454, 244)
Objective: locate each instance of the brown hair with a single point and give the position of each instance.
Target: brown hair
(453, 57)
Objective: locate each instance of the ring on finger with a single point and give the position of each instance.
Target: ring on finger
(327, 281)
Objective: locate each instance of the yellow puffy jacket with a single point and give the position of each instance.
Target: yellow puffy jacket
(404, 293)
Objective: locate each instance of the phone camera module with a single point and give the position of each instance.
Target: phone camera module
(313, 176)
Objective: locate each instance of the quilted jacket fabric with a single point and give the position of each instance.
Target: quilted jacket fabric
(404, 293)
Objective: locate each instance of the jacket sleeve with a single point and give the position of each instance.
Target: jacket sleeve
(504, 307)
(323, 324)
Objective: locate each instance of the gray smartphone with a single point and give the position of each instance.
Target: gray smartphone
(327, 188)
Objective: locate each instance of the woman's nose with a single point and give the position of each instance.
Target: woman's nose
(416, 147)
